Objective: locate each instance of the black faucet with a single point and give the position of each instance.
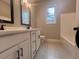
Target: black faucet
(76, 28)
(2, 27)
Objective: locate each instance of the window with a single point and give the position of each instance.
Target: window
(51, 18)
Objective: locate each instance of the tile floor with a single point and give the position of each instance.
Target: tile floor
(54, 50)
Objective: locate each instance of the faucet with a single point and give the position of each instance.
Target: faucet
(2, 27)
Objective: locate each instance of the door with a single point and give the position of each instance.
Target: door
(24, 50)
(12, 53)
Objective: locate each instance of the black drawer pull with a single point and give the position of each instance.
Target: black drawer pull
(18, 54)
(21, 49)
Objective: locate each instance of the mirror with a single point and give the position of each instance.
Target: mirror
(6, 11)
(25, 13)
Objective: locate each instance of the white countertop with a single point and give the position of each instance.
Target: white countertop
(6, 32)
(14, 30)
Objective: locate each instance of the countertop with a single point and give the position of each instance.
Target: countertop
(16, 30)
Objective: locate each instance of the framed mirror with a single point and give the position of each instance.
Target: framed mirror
(25, 13)
(6, 11)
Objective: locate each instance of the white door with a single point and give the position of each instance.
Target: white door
(10, 54)
(24, 50)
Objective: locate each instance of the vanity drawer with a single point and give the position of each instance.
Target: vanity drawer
(9, 54)
(8, 41)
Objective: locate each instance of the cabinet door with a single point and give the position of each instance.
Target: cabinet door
(10, 54)
(33, 48)
(24, 50)
(33, 43)
(37, 39)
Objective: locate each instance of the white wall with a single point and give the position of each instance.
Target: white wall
(68, 22)
(62, 6)
(77, 11)
(51, 31)
(33, 16)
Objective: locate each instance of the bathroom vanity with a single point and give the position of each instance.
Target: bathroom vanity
(15, 42)
(19, 44)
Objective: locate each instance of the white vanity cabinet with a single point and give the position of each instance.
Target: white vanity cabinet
(19, 44)
(15, 46)
(24, 50)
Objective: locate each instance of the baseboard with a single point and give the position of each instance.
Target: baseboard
(71, 48)
(52, 40)
(68, 41)
(69, 45)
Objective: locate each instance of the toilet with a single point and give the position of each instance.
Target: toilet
(42, 37)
